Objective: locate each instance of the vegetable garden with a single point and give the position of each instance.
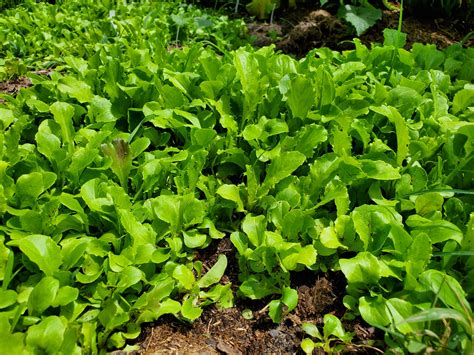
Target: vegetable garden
(159, 169)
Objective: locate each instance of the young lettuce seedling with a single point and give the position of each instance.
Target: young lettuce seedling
(119, 152)
(333, 340)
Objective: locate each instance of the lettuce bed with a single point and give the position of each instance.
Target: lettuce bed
(120, 165)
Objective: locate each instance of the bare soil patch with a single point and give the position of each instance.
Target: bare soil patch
(226, 331)
(300, 30)
(14, 85)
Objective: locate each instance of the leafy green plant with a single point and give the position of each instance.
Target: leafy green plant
(261, 8)
(12, 68)
(4, 4)
(333, 332)
(362, 16)
(119, 152)
(81, 28)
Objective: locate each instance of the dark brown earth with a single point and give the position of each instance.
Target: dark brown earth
(297, 32)
(14, 85)
(226, 331)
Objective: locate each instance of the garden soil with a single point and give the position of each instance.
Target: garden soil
(226, 331)
(298, 31)
(13, 86)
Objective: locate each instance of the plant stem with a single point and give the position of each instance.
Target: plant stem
(466, 38)
(271, 16)
(400, 18)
